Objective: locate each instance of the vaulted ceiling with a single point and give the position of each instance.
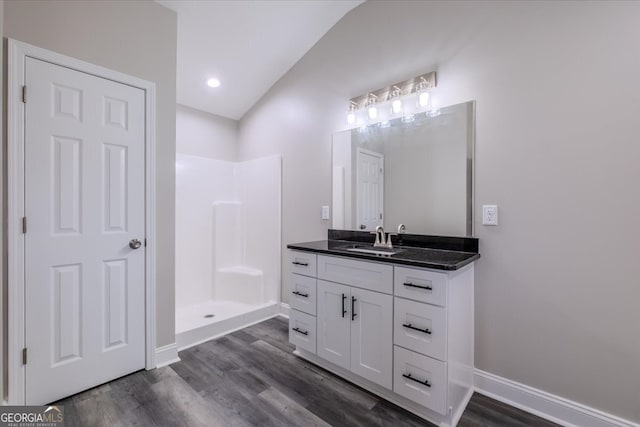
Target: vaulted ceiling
(247, 45)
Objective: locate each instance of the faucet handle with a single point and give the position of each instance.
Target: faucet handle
(388, 243)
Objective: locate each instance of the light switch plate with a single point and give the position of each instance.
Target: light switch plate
(489, 215)
(325, 212)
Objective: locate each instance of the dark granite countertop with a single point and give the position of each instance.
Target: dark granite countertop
(425, 257)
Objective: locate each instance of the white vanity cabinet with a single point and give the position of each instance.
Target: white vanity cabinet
(354, 330)
(401, 332)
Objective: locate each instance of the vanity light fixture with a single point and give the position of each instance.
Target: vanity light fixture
(423, 93)
(396, 102)
(213, 82)
(372, 110)
(403, 99)
(351, 114)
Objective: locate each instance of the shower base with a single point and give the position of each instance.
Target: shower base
(195, 323)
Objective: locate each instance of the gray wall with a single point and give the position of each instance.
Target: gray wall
(557, 149)
(206, 135)
(137, 38)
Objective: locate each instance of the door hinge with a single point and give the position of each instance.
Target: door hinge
(145, 243)
(24, 94)
(24, 356)
(24, 225)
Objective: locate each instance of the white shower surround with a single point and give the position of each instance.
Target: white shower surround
(227, 238)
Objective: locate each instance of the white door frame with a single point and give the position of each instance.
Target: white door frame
(17, 55)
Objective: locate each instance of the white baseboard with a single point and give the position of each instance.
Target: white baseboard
(545, 405)
(284, 309)
(166, 355)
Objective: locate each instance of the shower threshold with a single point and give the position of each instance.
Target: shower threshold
(195, 325)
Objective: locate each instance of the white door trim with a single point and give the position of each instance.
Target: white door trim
(17, 54)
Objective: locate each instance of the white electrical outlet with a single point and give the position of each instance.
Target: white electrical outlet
(325, 212)
(489, 215)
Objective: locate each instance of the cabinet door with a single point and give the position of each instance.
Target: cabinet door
(333, 322)
(372, 336)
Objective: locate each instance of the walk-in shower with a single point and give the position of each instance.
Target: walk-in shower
(227, 245)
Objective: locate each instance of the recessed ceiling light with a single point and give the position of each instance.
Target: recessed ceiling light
(213, 82)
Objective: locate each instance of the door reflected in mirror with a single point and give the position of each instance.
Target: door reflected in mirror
(416, 171)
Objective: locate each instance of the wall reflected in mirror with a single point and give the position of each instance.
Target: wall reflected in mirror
(415, 170)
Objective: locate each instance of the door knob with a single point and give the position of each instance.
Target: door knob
(135, 244)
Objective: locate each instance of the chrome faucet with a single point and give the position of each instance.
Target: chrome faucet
(382, 240)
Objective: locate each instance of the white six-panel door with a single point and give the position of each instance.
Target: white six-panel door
(370, 189)
(84, 204)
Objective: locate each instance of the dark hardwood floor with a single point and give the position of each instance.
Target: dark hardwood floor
(251, 378)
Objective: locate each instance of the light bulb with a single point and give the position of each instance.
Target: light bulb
(213, 82)
(372, 112)
(351, 114)
(423, 99)
(396, 102)
(396, 106)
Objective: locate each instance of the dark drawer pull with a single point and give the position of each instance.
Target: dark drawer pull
(300, 331)
(344, 297)
(300, 294)
(303, 264)
(410, 326)
(424, 383)
(353, 308)
(411, 285)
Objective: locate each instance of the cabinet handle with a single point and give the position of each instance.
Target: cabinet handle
(303, 264)
(424, 383)
(411, 285)
(344, 297)
(300, 294)
(410, 326)
(353, 308)
(300, 331)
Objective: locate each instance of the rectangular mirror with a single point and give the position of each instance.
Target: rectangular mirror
(416, 171)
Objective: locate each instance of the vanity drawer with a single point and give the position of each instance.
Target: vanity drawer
(302, 263)
(302, 330)
(362, 274)
(427, 384)
(421, 285)
(303, 293)
(420, 327)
